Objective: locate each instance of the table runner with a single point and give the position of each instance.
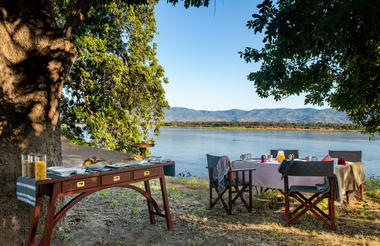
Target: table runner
(26, 190)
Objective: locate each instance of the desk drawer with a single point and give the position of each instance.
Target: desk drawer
(79, 184)
(116, 178)
(140, 174)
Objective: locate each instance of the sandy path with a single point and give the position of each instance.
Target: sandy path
(74, 155)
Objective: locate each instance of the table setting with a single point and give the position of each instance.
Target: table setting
(349, 175)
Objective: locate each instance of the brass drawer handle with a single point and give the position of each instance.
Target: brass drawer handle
(116, 178)
(146, 173)
(80, 184)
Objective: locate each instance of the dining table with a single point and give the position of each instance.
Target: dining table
(348, 178)
(32, 191)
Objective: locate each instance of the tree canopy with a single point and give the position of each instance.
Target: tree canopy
(329, 50)
(114, 91)
(115, 85)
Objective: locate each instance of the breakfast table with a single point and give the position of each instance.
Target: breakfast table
(349, 178)
(86, 184)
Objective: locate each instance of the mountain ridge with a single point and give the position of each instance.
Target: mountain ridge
(283, 115)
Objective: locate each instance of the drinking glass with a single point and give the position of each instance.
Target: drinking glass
(31, 167)
(24, 164)
(249, 156)
(40, 166)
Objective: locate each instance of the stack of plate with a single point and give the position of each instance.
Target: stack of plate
(96, 166)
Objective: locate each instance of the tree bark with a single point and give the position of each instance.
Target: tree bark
(35, 57)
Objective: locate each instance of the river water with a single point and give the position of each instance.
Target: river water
(188, 147)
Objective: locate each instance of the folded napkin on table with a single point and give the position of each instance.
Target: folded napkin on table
(341, 161)
(327, 158)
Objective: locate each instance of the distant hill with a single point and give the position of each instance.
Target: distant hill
(302, 115)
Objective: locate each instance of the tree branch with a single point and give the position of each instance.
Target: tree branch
(78, 13)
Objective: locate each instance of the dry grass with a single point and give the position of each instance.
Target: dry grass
(119, 217)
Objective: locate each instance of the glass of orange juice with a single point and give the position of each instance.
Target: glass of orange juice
(40, 166)
(280, 156)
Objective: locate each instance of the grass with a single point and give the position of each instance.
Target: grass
(120, 217)
(372, 187)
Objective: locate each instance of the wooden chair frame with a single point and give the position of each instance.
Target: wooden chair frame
(234, 186)
(310, 204)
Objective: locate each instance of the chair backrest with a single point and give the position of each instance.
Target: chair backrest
(347, 155)
(312, 168)
(212, 162)
(287, 152)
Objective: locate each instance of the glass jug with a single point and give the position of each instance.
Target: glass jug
(280, 156)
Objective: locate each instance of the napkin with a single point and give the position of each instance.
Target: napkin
(341, 161)
(223, 166)
(327, 158)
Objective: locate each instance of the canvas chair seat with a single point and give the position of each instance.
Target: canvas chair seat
(306, 189)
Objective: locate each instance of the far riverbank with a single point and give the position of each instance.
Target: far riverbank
(264, 128)
(272, 126)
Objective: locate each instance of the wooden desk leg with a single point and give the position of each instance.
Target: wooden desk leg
(165, 199)
(49, 225)
(361, 191)
(150, 207)
(35, 218)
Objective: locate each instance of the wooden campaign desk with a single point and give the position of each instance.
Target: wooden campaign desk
(86, 184)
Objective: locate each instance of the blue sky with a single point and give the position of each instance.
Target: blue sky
(198, 48)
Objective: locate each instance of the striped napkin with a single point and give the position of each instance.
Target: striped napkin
(223, 166)
(26, 190)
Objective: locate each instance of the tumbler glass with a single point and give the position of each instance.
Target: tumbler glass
(24, 164)
(40, 166)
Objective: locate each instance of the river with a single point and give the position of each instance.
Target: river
(188, 147)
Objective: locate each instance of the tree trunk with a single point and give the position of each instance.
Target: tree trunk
(35, 58)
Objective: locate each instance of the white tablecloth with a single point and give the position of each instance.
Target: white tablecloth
(267, 176)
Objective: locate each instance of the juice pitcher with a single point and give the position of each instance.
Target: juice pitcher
(280, 156)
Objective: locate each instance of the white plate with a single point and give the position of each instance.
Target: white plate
(126, 163)
(136, 162)
(96, 166)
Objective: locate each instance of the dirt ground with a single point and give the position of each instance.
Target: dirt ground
(119, 216)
